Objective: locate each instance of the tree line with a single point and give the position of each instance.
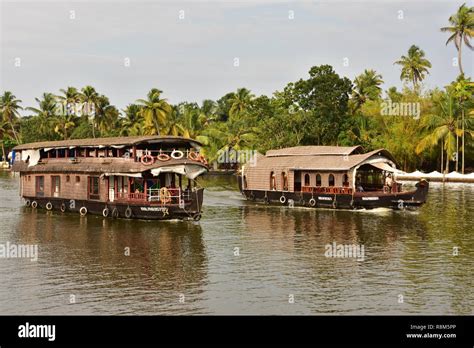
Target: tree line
(427, 129)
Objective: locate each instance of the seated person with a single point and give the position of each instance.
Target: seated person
(389, 182)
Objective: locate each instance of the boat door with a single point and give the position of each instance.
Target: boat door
(111, 188)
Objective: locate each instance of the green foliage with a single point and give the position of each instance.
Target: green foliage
(323, 109)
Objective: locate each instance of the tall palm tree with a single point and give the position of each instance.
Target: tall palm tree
(132, 123)
(155, 111)
(443, 126)
(366, 87)
(194, 120)
(9, 107)
(173, 125)
(461, 29)
(46, 113)
(463, 89)
(69, 96)
(90, 96)
(414, 66)
(240, 102)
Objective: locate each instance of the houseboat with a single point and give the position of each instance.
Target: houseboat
(332, 177)
(143, 177)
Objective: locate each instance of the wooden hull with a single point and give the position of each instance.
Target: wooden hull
(129, 210)
(360, 200)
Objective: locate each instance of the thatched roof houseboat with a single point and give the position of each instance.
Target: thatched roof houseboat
(328, 176)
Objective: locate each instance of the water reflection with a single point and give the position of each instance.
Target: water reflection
(242, 258)
(115, 260)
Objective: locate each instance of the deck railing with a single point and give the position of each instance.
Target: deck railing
(327, 190)
(174, 196)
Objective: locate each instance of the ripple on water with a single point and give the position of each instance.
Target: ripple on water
(243, 258)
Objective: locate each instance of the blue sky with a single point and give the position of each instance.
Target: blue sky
(192, 59)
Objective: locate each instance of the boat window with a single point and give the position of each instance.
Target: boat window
(284, 181)
(68, 178)
(331, 180)
(245, 181)
(318, 180)
(55, 185)
(94, 187)
(39, 181)
(272, 181)
(78, 179)
(306, 180)
(346, 181)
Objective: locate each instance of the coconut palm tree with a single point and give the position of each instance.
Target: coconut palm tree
(442, 126)
(96, 105)
(9, 107)
(105, 116)
(173, 124)
(461, 30)
(132, 123)
(463, 89)
(366, 87)
(46, 112)
(194, 119)
(69, 97)
(154, 111)
(414, 66)
(5, 132)
(240, 102)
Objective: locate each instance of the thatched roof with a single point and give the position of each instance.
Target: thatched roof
(117, 141)
(322, 162)
(96, 165)
(315, 151)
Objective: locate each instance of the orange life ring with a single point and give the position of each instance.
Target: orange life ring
(163, 157)
(202, 160)
(193, 156)
(147, 160)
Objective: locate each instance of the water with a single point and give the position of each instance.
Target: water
(191, 268)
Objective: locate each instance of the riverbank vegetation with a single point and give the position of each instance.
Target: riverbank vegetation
(424, 129)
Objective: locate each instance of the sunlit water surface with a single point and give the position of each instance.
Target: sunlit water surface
(242, 258)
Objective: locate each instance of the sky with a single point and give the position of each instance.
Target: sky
(201, 49)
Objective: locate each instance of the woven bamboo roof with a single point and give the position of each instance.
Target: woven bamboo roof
(117, 141)
(321, 161)
(315, 151)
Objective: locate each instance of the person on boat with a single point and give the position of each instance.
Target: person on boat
(389, 182)
(359, 187)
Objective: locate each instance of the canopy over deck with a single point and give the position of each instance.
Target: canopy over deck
(116, 142)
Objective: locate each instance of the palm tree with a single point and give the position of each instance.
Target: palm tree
(46, 113)
(366, 87)
(414, 66)
(443, 126)
(194, 120)
(93, 99)
(461, 29)
(132, 123)
(9, 107)
(463, 89)
(155, 111)
(105, 116)
(173, 124)
(4, 133)
(69, 96)
(63, 124)
(240, 102)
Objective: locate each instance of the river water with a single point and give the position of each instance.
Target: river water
(242, 258)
